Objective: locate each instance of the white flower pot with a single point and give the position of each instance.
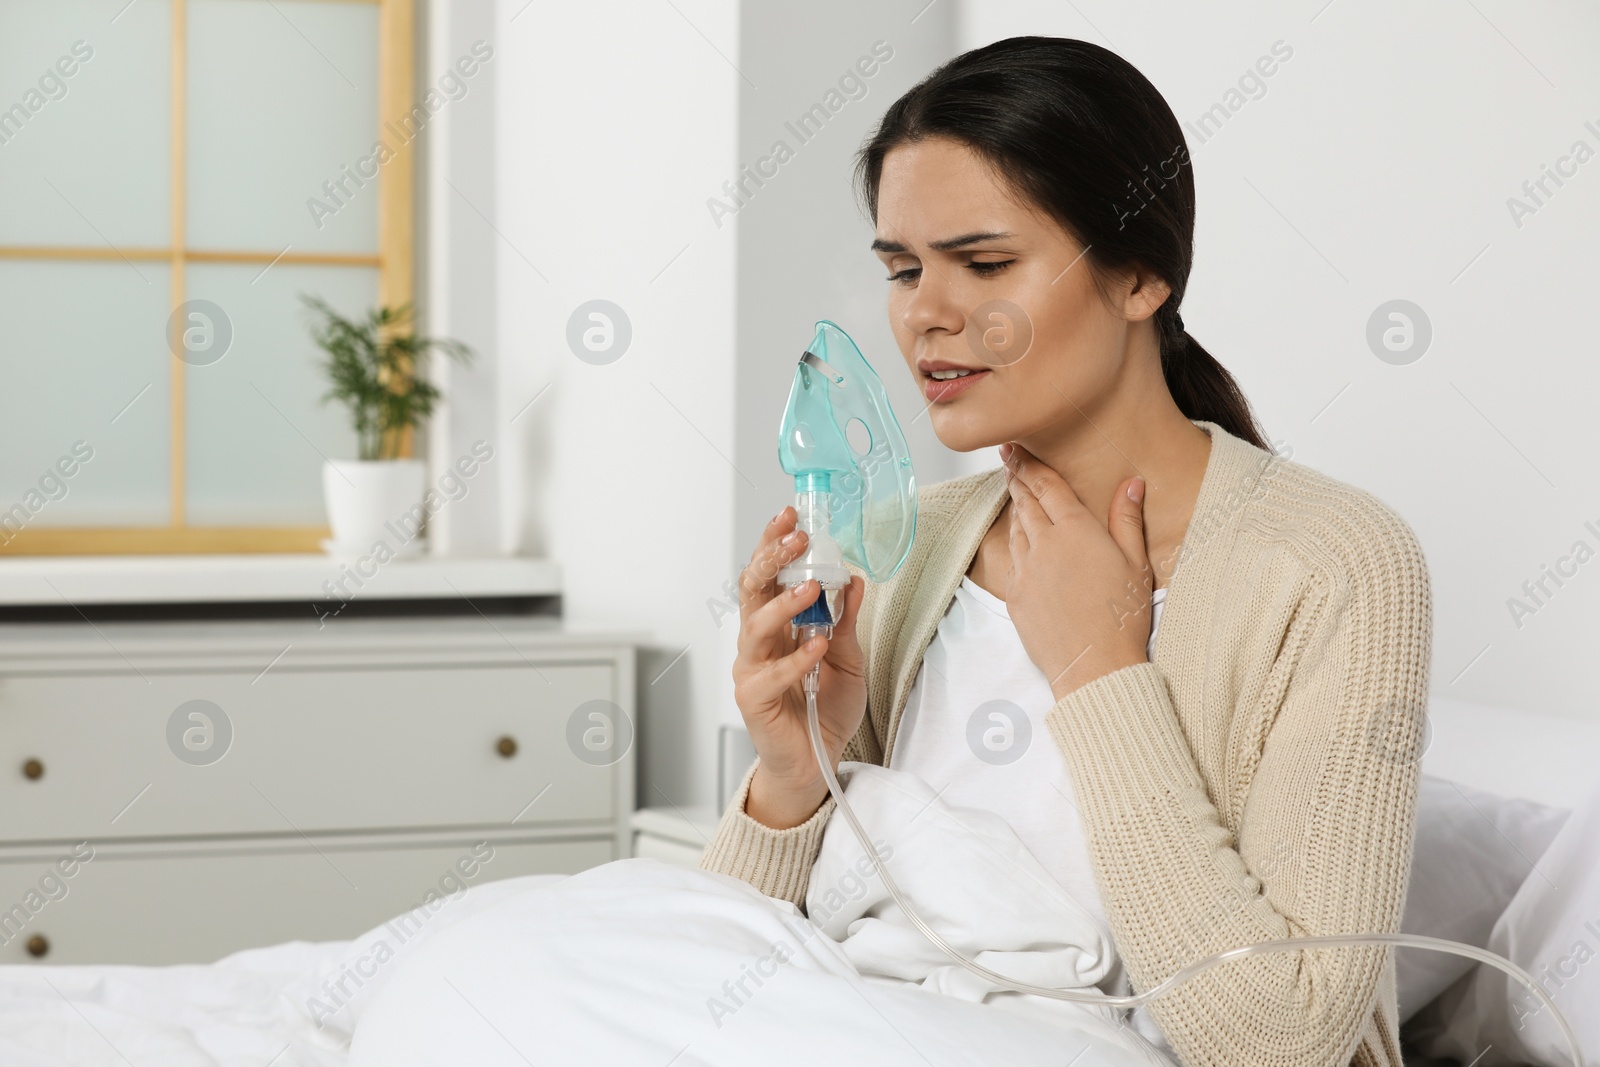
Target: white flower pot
(374, 500)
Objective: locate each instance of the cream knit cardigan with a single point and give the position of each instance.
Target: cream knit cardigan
(1257, 780)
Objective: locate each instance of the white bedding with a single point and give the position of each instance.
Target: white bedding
(288, 1005)
(226, 1014)
(965, 871)
(1551, 930)
(635, 961)
(639, 962)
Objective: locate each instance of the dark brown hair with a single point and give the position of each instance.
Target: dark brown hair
(1077, 130)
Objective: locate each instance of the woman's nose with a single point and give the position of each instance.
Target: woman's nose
(933, 305)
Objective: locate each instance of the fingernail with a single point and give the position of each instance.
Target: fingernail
(1136, 490)
(801, 589)
(789, 538)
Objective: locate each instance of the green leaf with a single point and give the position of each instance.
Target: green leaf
(377, 368)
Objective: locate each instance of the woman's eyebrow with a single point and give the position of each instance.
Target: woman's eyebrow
(946, 245)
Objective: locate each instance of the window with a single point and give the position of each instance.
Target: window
(177, 173)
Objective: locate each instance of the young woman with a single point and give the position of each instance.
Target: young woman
(1222, 656)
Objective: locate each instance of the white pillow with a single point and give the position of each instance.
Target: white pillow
(1473, 852)
(1552, 931)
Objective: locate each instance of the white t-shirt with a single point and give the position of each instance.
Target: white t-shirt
(973, 728)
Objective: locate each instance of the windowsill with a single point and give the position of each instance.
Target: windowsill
(53, 581)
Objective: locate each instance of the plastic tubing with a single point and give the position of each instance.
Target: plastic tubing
(1185, 973)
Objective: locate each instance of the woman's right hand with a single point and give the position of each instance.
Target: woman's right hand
(788, 786)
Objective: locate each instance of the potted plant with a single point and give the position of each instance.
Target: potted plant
(376, 369)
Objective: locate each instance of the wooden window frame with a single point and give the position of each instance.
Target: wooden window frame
(395, 262)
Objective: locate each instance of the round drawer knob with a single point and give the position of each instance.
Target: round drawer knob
(33, 770)
(506, 746)
(38, 945)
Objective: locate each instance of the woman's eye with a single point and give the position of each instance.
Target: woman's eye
(910, 274)
(985, 268)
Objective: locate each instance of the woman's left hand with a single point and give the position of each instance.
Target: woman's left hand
(1078, 593)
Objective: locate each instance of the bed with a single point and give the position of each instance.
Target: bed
(1505, 858)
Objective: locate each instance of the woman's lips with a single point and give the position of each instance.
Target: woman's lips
(940, 391)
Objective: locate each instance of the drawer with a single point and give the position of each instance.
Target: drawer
(132, 907)
(648, 846)
(309, 751)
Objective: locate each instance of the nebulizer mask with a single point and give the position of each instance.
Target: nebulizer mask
(856, 499)
(855, 492)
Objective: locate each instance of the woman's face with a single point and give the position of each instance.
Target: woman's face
(980, 281)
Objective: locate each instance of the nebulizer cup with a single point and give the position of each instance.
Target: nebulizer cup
(856, 499)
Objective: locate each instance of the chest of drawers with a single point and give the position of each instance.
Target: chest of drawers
(172, 792)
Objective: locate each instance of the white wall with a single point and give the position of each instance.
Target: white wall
(650, 478)
(456, 180)
(613, 120)
(803, 238)
(1377, 165)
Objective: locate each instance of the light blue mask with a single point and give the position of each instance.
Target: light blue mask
(855, 491)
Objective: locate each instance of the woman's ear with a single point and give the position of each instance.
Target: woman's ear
(1135, 293)
(1142, 294)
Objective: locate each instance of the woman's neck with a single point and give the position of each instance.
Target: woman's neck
(1095, 453)
(1095, 456)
